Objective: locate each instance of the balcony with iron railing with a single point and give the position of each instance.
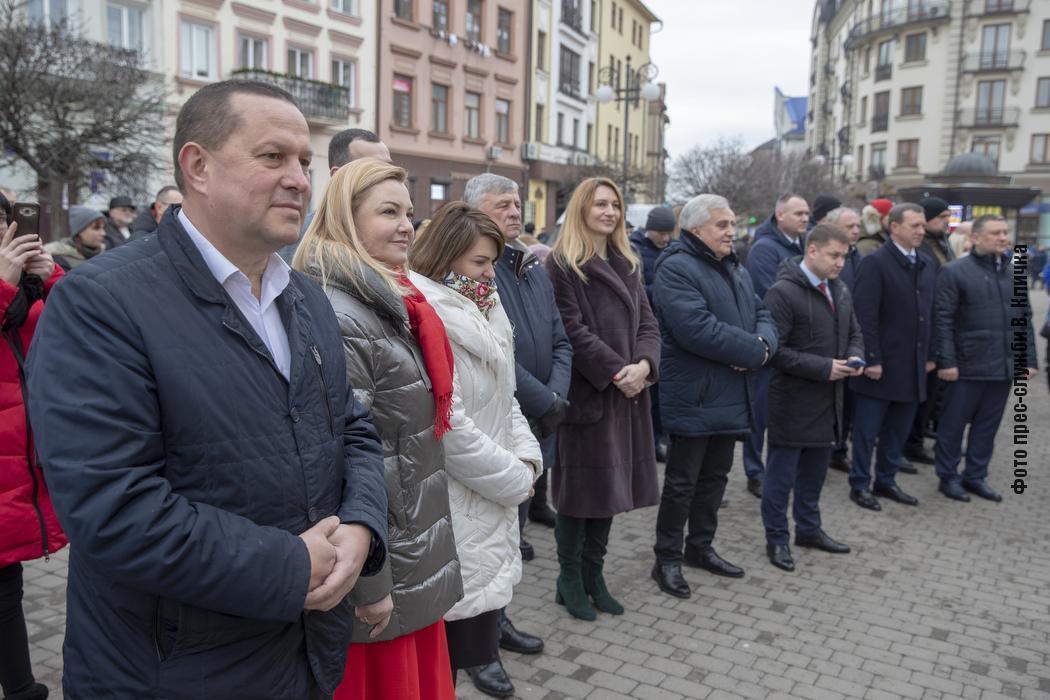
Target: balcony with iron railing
(893, 20)
(984, 117)
(987, 8)
(317, 101)
(883, 71)
(993, 61)
(570, 85)
(572, 15)
(880, 122)
(876, 172)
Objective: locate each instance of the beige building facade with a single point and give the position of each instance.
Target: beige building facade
(451, 98)
(899, 87)
(322, 51)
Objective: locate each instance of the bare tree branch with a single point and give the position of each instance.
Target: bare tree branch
(73, 107)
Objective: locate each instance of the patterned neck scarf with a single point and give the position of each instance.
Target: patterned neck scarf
(481, 293)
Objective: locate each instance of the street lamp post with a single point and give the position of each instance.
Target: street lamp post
(630, 88)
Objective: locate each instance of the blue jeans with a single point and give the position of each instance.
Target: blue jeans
(890, 423)
(979, 405)
(801, 469)
(760, 415)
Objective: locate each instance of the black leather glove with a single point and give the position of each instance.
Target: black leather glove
(548, 423)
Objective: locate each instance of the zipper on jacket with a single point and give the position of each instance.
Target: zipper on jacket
(16, 347)
(324, 388)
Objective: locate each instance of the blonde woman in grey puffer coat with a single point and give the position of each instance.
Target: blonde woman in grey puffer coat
(400, 365)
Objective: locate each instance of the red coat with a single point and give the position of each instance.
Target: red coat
(28, 526)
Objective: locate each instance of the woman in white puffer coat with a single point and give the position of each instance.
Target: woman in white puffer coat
(491, 456)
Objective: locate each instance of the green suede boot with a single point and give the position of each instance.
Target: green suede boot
(595, 544)
(569, 532)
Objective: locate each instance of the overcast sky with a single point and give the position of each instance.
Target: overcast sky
(722, 58)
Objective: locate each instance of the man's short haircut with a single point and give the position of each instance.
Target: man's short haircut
(697, 211)
(822, 234)
(835, 214)
(164, 190)
(782, 200)
(487, 183)
(982, 221)
(897, 213)
(339, 146)
(208, 119)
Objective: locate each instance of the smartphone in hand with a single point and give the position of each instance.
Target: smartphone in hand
(27, 216)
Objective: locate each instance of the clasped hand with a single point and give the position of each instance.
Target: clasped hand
(631, 379)
(337, 555)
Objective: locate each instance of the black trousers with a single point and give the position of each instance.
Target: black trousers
(473, 641)
(929, 410)
(16, 671)
(694, 482)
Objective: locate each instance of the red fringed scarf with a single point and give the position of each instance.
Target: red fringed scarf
(429, 332)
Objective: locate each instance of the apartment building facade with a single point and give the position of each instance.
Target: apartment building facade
(451, 99)
(624, 28)
(322, 51)
(560, 141)
(898, 87)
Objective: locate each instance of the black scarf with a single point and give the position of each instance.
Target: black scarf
(30, 290)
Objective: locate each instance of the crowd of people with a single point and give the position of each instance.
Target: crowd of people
(295, 454)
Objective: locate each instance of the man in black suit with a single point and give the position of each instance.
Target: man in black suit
(894, 295)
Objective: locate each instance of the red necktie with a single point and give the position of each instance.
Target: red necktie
(824, 290)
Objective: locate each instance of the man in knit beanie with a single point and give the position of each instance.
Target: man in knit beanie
(823, 204)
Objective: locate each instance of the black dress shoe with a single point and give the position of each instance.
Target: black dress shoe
(37, 691)
(864, 499)
(491, 680)
(670, 580)
(906, 467)
(982, 489)
(710, 561)
(839, 462)
(780, 556)
(954, 491)
(918, 453)
(527, 551)
(513, 639)
(541, 513)
(755, 487)
(894, 493)
(820, 540)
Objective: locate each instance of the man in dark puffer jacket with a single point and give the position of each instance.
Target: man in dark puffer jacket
(221, 486)
(715, 333)
(977, 324)
(818, 334)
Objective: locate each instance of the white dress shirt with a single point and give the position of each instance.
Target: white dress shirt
(912, 255)
(262, 313)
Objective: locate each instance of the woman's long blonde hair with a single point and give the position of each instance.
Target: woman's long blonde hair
(575, 246)
(332, 244)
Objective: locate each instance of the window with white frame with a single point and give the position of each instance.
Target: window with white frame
(344, 72)
(347, 7)
(124, 26)
(48, 11)
(300, 62)
(197, 51)
(254, 53)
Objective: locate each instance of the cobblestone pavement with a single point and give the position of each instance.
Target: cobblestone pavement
(947, 600)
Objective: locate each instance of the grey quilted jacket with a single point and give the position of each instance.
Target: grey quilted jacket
(385, 364)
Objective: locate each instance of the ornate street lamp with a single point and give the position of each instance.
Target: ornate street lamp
(633, 86)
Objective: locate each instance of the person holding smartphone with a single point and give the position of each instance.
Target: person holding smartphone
(27, 520)
(820, 345)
